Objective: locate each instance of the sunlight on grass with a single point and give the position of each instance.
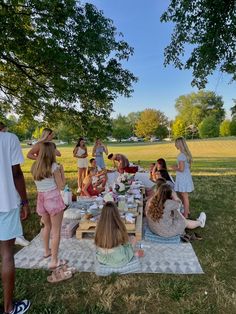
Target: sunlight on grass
(214, 176)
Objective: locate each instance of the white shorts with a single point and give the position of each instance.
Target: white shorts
(82, 162)
(10, 225)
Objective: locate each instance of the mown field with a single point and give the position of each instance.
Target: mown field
(214, 175)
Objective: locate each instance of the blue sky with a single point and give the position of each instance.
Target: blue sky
(158, 87)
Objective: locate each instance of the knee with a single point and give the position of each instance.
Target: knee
(7, 257)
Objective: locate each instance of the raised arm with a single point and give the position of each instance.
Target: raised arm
(58, 154)
(33, 152)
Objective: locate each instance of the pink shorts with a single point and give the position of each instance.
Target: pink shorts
(50, 202)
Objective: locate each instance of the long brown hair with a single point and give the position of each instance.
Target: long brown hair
(42, 167)
(156, 207)
(110, 231)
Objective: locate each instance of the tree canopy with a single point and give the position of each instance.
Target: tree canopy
(59, 55)
(209, 26)
(151, 123)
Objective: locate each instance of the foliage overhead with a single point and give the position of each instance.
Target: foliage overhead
(55, 55)
(209, 26)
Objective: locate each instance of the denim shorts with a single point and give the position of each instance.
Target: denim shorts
(10, 225)
(50, 203)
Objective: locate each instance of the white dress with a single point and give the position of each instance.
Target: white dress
(183, 180)
(81, 162)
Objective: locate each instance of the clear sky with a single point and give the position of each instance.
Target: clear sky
(158, 86)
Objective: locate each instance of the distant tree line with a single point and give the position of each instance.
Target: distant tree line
(199, 115)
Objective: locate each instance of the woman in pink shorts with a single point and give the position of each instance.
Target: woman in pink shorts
(49, 179)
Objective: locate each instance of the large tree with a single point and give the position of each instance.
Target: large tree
(233, 110)
(121, 128)
(60, 54)
(209, 27)
(194, 107)
(151, 122)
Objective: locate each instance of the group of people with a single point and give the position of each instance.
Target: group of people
(92, 174)
(114, 247)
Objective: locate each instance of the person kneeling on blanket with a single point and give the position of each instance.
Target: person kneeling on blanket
(163, 217)
(111, 238)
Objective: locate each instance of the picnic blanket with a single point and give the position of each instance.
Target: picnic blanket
(158, 258)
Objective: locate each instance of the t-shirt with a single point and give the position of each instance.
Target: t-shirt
(10, 155)
(47, 184)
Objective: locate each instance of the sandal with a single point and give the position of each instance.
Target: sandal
(69, 268)
(186, 238)
(60, 263)
(196, 236)
(59, 275)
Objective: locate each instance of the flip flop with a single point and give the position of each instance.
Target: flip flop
(47, 256)
(60, 263)
(196, 236)
(59, 275)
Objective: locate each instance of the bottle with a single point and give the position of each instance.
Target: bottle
(67, 195)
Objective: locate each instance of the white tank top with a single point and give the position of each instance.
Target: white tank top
(47, 184)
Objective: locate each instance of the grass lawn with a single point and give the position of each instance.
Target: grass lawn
(214, 175)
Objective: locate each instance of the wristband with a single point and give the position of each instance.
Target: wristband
(24, 202)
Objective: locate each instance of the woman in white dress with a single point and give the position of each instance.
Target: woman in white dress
(80, 152)
(183, 181)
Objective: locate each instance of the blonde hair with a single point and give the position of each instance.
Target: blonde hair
(156, 207)
(42, 167)
(46, 132)
(181, 142)
(110, 231)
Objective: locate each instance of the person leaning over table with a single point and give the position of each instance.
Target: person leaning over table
(122, 161)
(13, 208)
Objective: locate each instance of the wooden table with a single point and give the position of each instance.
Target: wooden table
(88, 226)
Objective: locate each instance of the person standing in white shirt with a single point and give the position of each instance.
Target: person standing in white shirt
(19, 240)
(13, 207)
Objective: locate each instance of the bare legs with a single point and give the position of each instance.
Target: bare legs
(81, 176)
(185, 199)
(52, 224)
(8, 273)
(192, 224)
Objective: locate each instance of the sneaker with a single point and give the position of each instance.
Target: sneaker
(21, 307)
(21, 241)
(202, 219)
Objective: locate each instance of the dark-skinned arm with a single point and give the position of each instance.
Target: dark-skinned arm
(19, 182)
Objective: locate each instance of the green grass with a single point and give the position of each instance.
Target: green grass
(214, 175)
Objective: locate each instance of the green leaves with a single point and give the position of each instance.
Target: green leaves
(209, 26)
(56, 54)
